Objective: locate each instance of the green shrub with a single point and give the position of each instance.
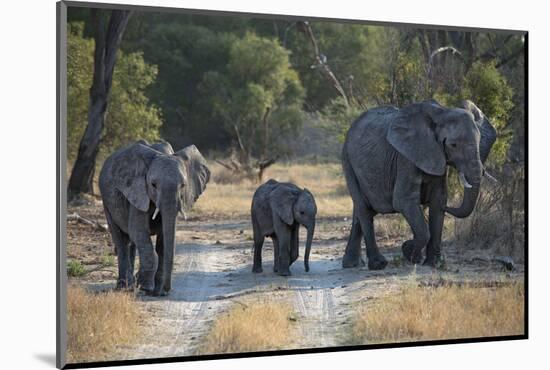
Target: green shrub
(75, 268)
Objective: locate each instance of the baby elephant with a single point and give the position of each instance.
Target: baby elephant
(278, 210)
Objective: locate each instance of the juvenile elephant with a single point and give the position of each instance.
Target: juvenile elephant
(278, 210)
(143, 188)
(395, 160)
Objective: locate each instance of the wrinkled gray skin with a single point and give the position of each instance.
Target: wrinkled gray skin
(278, 210)
(395, 160)
(136, 181)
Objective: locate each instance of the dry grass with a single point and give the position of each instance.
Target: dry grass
(448, 312)
(498, 221)
(227, 198)
(98, 323)
(258, 326)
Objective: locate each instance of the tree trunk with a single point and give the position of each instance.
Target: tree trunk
(106, 46)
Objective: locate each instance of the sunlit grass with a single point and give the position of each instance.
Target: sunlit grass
(325, 181)
(98, 323)
(447, 312)
(257, 326)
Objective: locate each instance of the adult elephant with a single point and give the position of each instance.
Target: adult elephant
(143, 188)
(395, 160)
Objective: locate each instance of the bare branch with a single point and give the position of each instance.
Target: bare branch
(320, 61)
(442, 49)
(224, 164)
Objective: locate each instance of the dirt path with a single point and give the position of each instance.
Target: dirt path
(213, 271)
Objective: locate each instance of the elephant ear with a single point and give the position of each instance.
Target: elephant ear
(488, 134)
(198, 175)
(281, 201)
(412, 133)
(130, 170)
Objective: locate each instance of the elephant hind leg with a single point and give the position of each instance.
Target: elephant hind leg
(258, 244)
(363, 220)
(352, 255)
(122, 247)
(376, 261)
(362, 223)
(275, 253)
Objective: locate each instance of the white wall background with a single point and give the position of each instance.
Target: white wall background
(27, 182)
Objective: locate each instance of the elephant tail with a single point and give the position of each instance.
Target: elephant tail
(351, 178)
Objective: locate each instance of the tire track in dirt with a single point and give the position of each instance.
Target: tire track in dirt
(190, 313)
(183, 317)
(316, 307)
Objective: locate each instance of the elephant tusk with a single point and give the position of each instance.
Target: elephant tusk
(463, 180)
(490, 177)
(156, 212)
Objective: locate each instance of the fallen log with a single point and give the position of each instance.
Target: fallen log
(465, 284)
(76, 217)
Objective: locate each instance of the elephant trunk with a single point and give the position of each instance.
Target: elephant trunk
(168, 212)
(471, 192)
(309, 240)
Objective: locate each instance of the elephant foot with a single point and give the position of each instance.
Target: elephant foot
(352, 262)
(429, 261)
(146, 281)
(411, 253)
(435, 262)
(257, 269)
(158, 292)
(122, 284)
(377, 262)
(284, 272)
(131, 281)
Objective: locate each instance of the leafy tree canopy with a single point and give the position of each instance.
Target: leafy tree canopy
(130, 114)
(256, 86)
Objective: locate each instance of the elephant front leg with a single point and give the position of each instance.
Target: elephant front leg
(294, 242)
(433, 249)
(406, 200)
(352, 255)
(159, 275)
(148, 264)
(412, 249)
(131, 263)
(148, 259)
(283, 247)
(283, 267)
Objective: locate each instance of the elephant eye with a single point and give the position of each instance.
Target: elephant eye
(301, 212)
(453, 145)
(154, 184)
